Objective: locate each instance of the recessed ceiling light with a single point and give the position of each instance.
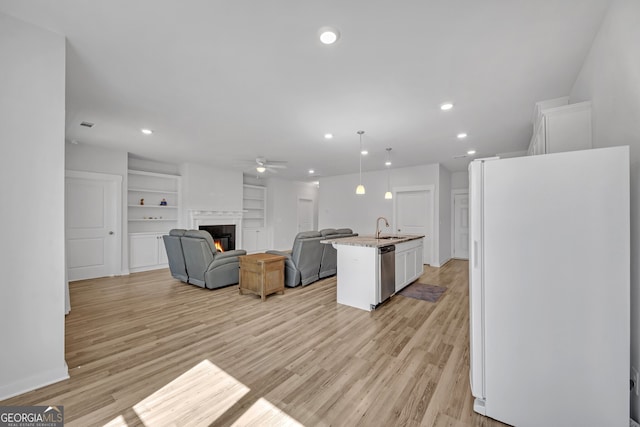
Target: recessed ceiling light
(462, 135)
(147, 131)
(328, 136)
(329, 35)
(311, 171)
(261, 169)
(364, 152)
(446, 106)
(470, 152)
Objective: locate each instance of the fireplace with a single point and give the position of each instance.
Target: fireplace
(224, 235)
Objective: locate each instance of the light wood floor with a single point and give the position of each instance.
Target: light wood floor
(146, 349)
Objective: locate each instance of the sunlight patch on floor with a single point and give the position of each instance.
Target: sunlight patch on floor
(117, 422)
(197, 397)
(263, 413)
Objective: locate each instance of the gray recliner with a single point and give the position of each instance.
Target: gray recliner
(173, 245)
(329, 260)
(207, 267)
(303, 263)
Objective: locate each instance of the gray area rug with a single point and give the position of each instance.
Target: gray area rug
(423, 291)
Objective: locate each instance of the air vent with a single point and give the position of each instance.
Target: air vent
(87, 124)
(462, 156)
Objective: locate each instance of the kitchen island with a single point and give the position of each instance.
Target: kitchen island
(359, 267)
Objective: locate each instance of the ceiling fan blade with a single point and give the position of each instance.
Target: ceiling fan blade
(276, 166)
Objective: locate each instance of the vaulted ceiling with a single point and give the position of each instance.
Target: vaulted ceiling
(222, 82)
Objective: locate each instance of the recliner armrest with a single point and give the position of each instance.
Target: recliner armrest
(217, 262)
(229, 254)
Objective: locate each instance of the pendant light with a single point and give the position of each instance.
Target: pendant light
(388, 195)
(360, 187)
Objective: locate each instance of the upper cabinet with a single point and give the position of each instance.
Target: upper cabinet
(559, 126)
(153, 202)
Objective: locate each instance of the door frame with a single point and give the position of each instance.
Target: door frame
(460, 191)
(313, 213)
(116, 180)
(431, 189)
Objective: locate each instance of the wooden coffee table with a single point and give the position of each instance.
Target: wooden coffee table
(261, 274)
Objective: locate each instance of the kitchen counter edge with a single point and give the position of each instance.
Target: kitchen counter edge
(371, 241)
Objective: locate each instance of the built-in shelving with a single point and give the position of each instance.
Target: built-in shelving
(254, 218)
(146, 193)
(148, 219)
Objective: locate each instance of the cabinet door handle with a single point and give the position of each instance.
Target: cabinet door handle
(111, 233)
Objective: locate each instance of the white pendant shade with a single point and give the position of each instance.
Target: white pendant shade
(388, 195)
(360, 189)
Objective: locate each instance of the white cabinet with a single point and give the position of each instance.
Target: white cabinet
(254, 231)
(254, 239)
(409, 265)
(146, 252)
(559, 128)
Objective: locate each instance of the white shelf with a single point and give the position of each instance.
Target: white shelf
(151, 220)
(146, 190)
(254, 202)
(154, 188)
(153, 206)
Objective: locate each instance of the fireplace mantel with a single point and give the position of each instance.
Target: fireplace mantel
(197, 218)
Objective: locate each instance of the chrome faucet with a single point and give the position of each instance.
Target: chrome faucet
(386, 224)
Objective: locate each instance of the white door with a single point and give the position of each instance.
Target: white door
(413, 214)
(92, 218)
(305, 215)
(461, 226)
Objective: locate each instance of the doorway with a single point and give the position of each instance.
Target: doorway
(413, 213)
(305, 215)
(93, 222)
(460, 223)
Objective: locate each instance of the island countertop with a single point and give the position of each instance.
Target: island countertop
(372, 242)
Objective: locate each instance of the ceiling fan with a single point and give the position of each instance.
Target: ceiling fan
(263, 165)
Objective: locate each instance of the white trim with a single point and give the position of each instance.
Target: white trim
(454, 193)
(33, 382)
(431, 188)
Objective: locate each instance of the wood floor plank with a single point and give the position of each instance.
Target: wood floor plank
(147, 350)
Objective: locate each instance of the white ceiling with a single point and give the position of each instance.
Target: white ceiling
(222, 81)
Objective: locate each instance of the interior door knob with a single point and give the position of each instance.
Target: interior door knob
(111, 233)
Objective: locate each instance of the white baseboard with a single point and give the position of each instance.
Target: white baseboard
(33, 382)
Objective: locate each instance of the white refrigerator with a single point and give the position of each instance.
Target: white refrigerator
(549, 288)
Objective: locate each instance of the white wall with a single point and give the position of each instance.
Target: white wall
(610, 78)
(89, 158)
(153, 166)
(445, 216)
(32, 114)
(339, 206)
(210, 188)
(459, 180)
(282, 209)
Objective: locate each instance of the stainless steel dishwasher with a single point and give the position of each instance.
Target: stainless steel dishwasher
(387, 256)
